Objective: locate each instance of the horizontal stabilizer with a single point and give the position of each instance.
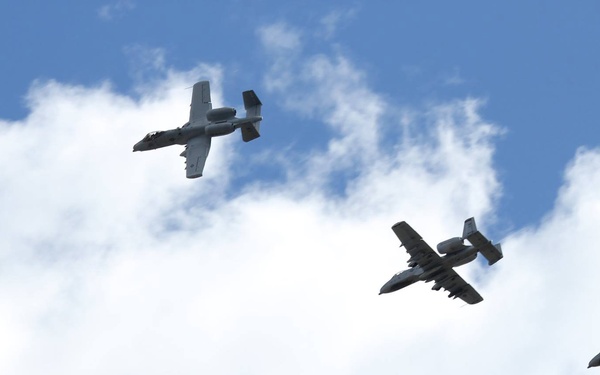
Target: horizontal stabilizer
(249, 132)
(492, 253)
(253, 105)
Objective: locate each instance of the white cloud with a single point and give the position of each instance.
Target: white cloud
(280, 36)
(145, 57)
(454, 79)
(113, 262)
(331, 22)
(283, 43)
(109, 12)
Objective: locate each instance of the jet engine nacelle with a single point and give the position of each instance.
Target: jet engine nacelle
(215, 130)
(450, 246)
(220, 114)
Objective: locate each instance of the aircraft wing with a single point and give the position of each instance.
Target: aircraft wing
(456, 285)
(196, 152)
(200, 102)
(433, 265)
(420, 252)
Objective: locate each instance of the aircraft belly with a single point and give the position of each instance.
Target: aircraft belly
(431, 273)
(464, 260)
(185, 134)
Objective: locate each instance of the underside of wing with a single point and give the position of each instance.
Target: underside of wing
(420, 252)
(200, 102)
(196, 152)
(468, 294)
(408, 236)
(457, 286)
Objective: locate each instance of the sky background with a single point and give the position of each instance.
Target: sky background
(114, 262)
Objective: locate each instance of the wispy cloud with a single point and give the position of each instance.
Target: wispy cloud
(145, 61)
(454, 78)
(283, 43)
(280, 37)
(116, 9)
(331, 22)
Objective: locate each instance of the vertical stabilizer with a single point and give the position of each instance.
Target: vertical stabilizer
(469, 228)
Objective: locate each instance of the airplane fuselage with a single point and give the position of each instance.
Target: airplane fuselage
(419, 273)
(181, 136)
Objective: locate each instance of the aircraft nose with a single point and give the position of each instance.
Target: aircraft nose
(384, 289)
(137, 147)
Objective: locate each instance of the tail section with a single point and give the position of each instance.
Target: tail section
(492, 253)
(253, 106)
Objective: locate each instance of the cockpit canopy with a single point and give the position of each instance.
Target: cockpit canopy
(152, 135)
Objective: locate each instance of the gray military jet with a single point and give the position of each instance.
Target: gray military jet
(205, 123)
(595, 362)
(426, 265)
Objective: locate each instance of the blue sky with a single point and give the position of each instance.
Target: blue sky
(374, 113)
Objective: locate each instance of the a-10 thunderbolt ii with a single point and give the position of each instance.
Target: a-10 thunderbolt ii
(205, 123)
(426, 265)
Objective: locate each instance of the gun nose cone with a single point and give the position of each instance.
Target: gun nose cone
(595, 362)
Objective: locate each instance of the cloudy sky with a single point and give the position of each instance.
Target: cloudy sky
(114, 263)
